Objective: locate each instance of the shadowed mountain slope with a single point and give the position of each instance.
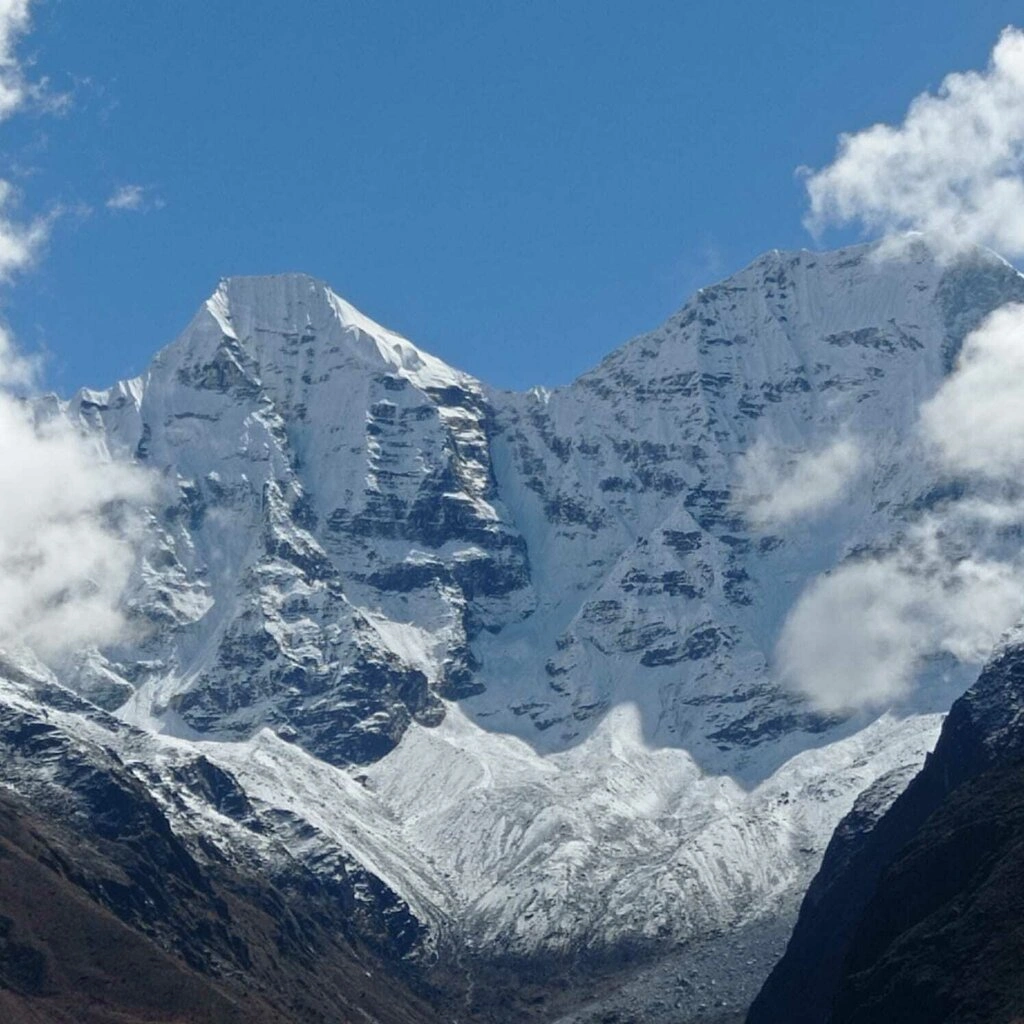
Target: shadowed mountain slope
(916, 917)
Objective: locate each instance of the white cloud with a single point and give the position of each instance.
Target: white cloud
(857, 636)
(134, 198)
(774, 486)
(16, 370)
(953, 169)
(64, 560)
(127, 197)
(14, 88)
(976, 420)
(19, 243)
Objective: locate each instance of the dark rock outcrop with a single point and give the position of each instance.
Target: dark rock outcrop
(917, 918)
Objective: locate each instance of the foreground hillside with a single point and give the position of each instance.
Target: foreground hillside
(917, 917)
(108, 914)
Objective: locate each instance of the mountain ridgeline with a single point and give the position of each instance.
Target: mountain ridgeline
(478, 686)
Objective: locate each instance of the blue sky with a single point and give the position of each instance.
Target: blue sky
(517, 187)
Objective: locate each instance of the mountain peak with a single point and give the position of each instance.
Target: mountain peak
(285, 304)
(279, 321)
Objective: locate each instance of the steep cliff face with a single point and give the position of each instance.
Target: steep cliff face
(652, 586)
(916, 916)
(503, 662)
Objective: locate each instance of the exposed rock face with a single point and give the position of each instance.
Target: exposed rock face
(916, 916)
(501, 663)
(942, 938)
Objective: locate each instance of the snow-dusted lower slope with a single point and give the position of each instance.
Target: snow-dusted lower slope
(512, 653)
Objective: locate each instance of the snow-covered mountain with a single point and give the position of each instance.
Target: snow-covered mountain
(509, 656)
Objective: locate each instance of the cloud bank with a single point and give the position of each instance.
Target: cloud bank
(64, 560)
(775, 486)
(953, 169)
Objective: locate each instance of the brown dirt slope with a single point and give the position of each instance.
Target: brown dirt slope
(66, 958)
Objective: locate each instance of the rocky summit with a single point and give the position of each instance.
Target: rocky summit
(490, 676)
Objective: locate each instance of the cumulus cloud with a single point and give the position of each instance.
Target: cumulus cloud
(64, 556)
(775, 486)
(858, 636)
(976, 420)
(133, 198)
(14, 88)
(953, 169)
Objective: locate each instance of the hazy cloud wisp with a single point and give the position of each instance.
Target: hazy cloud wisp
(14, 88)
(134, 199)
(857, 636)
(19, 243)
(775, 486)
